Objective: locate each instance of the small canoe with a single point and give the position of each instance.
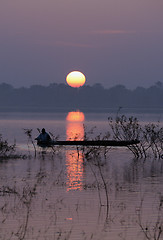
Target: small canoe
(111, 143)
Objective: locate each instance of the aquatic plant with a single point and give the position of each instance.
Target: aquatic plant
(150, 135)
(7, 150)
(28, 132)
(90, 152)
(20, 200)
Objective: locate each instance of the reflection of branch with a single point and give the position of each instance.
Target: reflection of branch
(98, 185)
(106, 189)
(26, 199)
(98, 164)
(157, 228)
(24, 227)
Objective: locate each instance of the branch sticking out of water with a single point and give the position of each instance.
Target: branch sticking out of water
(28, 132)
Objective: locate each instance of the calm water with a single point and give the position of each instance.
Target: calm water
(61, 195)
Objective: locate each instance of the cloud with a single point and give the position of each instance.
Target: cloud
(112, 32)
(71, 44)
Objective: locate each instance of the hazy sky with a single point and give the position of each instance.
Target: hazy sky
(110, 41)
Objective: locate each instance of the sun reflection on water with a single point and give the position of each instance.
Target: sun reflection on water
(74, 157)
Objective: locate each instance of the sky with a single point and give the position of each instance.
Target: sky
(111, 41)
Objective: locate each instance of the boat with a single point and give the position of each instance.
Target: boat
(105, 143)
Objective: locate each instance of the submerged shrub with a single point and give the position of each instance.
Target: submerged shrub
(124, 128)
(150, 135)
(6, 150)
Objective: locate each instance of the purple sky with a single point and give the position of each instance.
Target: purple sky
(110, 41)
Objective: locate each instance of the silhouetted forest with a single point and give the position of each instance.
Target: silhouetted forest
(60, 97)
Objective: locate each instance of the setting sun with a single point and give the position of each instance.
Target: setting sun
(75, 79)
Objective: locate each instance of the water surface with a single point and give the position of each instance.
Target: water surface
(60, 194)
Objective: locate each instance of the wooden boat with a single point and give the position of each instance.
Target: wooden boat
(111, 143)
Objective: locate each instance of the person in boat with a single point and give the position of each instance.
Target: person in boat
(44, 137)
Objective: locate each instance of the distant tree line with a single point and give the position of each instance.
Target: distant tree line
(58, 97)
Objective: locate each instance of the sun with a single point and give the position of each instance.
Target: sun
(75, 79)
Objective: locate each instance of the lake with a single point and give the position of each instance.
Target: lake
(71, 193)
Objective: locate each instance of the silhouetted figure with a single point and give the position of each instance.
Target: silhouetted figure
(44, 137)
